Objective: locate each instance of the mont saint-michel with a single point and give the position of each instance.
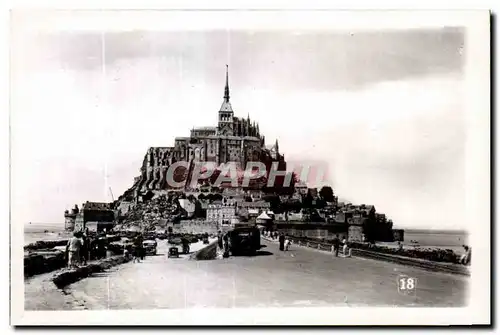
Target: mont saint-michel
(222, 195)
(184, 205)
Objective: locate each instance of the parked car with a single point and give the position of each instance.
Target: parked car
(175, 241)
(173, 252)
(150, 236)
(150, 247)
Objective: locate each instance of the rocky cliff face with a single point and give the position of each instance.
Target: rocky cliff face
(157, 160)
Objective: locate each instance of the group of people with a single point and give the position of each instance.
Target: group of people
(135, 249)
(337, 244)
(285, 242)
(82, 248)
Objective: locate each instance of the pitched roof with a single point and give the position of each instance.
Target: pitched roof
(226, 107)
(97, 206)
(263, 216)
(205, 128)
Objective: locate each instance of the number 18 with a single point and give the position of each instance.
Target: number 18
(407, 283)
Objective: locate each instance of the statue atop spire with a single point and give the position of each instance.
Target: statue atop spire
(226, 89)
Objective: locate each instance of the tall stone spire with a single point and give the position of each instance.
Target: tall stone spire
(226, 107)
(226, 89)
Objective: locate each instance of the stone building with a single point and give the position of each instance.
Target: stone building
(234, 139)
(355, 230)
(98, 214)
(221, 213)
(255, 208)
(70, 218)
(301, 188)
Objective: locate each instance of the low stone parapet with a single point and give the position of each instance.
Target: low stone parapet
(67, 277)
(43, 261)
(45, 244)
(206, 253)
(42, 245)
(409, 261)
(416, 262)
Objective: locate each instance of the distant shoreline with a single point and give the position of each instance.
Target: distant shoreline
(434, 231)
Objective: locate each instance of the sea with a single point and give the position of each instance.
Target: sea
(432, 239)
(44, 232)
(442, 239)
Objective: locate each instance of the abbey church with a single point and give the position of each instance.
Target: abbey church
(234, 139)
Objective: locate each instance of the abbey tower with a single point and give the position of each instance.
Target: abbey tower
(232, 140)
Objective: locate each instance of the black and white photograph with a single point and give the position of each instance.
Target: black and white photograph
(250, 167)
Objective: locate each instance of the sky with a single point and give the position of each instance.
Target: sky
(383, 109)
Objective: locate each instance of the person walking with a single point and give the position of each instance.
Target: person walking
(84, 254)
(220, 242)
(336, 245)
(185, 245)
(101, 246)
(74, 245)
(137, 253)
(92, 248)
(287, 244)
(282, 241)
(226, 245)
(141, 248)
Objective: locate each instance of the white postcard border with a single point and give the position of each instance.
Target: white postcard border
(477, 175)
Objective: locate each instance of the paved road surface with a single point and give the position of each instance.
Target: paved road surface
(299, 277)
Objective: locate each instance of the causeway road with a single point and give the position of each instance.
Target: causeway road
(295, 278)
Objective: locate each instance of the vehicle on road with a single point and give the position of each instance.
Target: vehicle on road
(244, 240)
(175, 241)
(150, 247)
(150, 235)
(173, 252)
